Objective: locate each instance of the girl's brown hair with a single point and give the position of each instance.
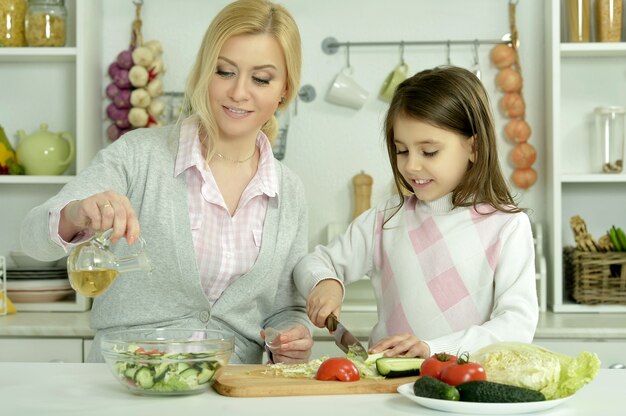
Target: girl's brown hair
(453, 99)
(249, 17)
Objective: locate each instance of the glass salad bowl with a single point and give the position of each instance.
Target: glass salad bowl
(167, 361)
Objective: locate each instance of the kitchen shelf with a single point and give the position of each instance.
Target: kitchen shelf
(35, 179)
(593, 178)
(59, 86)
(579, 78)
(38, 54)
(596, 49)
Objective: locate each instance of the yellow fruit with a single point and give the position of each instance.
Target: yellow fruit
(10, 306)
(6, 154)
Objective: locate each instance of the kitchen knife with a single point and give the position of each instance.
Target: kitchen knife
(344, 338)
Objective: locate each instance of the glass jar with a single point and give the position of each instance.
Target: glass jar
(610, 131)
(579, 20)
(12, 15)
(45, 23)
(608, 20)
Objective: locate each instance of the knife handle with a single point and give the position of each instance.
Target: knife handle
(331, 323)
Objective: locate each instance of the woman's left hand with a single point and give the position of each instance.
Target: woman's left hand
(403, 345)
(295, 345)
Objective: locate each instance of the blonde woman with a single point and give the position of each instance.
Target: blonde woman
(224, 222)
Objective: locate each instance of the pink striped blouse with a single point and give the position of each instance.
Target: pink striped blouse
(226, 247)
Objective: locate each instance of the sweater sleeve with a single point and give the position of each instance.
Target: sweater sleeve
(348, 258)
(107, 172)
(515, 310)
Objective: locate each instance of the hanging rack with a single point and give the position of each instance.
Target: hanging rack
(330, 45)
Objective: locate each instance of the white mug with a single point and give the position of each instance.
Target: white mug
(346, 92)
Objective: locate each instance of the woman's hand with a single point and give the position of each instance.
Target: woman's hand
(100, 212)
(403, 345)
(295, 345)
(324, 299)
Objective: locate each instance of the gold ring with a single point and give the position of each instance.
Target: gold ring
(105, 205)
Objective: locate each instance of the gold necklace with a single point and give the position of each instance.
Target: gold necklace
(221, 156)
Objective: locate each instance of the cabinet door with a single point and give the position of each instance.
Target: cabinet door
(41, 350)
(86, 347)
(612, 354)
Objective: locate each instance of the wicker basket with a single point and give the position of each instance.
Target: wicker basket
(595, 278)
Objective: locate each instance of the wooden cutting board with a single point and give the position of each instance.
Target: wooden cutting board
(249, 381)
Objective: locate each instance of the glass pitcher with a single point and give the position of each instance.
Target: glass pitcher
(92, 267)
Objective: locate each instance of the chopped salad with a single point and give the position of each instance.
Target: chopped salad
(157, 371)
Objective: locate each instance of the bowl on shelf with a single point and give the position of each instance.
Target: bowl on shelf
(24, 261)
(167, 361)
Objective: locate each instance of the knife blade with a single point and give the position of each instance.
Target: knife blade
(344, 338)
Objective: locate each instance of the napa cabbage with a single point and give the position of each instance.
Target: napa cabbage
(526, 365)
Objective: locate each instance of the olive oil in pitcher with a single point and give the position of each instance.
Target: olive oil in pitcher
(92, 283)
(92, 267)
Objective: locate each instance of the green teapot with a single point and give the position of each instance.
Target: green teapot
(44, 152)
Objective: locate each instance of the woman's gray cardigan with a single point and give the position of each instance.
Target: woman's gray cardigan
(140, 165)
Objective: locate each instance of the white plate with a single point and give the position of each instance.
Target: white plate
(38, 296)
(478, 408)
(39, 284)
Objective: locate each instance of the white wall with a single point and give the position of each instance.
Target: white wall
(327, 144)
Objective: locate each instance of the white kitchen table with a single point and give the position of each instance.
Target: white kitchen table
(43, 389)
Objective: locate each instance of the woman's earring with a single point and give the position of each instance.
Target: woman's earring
(282, 100)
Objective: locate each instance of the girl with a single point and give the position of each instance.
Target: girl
(209, 196)
(451, 260)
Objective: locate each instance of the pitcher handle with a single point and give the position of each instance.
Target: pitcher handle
(70, 141)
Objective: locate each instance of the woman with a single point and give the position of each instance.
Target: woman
(224, 222)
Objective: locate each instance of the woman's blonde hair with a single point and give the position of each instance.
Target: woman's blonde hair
(453, 99)
(242, 17)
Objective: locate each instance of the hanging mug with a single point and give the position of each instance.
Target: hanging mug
(395, 77)
(345, 91)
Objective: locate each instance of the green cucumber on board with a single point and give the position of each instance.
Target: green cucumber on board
(391, 367)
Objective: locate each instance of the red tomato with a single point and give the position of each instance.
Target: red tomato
(461, 372)
(140, 350)
(338, 368)
(433, 365)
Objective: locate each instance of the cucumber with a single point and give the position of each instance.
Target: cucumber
(489, 392)
(432, 388)
(205, 376)
(160, 370)
(144, 378)
(391, 367)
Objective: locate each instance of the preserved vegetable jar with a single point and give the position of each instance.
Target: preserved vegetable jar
(610, 128)
(45, 23)
(12, 15)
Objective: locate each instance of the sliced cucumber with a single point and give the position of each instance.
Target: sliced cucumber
(189, 373)
(205, 376)
(398, 366)
(160, 370)
(130, 373)
(144, 378)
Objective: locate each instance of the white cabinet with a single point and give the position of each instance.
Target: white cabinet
(59, 86)
(41, 350)
(579, 78)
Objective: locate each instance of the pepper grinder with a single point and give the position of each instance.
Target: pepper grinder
(362, 193)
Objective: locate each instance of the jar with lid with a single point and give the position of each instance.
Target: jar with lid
(12, 15)
(45, 23)
(610, 131)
